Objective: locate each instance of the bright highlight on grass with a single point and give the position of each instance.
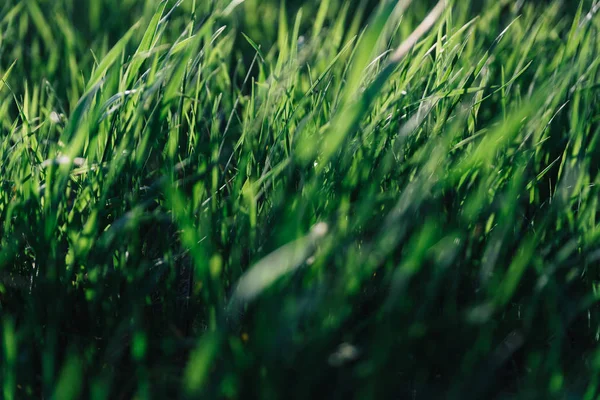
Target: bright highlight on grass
(305, 199)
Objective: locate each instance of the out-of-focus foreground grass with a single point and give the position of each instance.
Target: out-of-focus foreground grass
(261, 199)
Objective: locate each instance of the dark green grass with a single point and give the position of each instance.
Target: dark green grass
(270, 200)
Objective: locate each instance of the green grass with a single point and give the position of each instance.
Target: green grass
(326, 199)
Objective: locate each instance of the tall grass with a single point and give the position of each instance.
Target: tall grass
(362, 200)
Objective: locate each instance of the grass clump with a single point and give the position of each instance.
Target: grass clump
(382, 200)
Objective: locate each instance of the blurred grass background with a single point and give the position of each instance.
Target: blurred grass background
(262, 199)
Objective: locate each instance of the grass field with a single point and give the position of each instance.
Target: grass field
(321, 199)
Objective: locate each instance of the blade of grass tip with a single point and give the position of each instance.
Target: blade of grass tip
(45, 31)
(422, 29)
(505, 132)
(503, 86)
(348, 118)
(349, 26)
(255, 46)
(144, 46)
(282, 38)
(3, 81)
(320, 18)
(12, 13)
(485, 59)
(177, 75)
(111, 58)
(296, 34)
(366, 46)
(201, 32)
(229, 9)
(76, 116)
(277, 264)
(236, 103)
(588, 17)
(329, 67)
(170, 12)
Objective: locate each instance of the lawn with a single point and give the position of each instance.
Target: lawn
(299, 199)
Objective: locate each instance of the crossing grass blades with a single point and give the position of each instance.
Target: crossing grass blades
(319, 199)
